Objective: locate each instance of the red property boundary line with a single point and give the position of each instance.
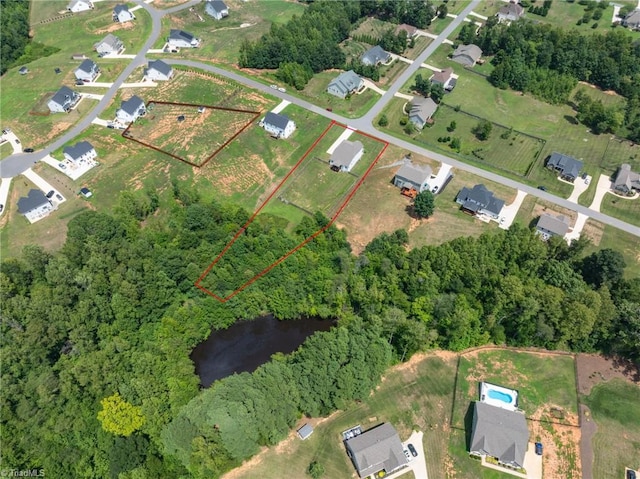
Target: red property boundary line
(255, 114)
(306, 241)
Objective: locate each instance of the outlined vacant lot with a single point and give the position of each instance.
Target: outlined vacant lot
(190, 133)
(228, 274)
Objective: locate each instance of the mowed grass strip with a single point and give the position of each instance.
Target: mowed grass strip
(624, 208)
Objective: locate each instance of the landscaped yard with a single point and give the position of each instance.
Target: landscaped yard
(626, 209)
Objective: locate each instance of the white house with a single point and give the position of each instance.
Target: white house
(130, 110)
(34, 206)
(182, 39)
(122, 14)
(158, 70)
(109, 44)
(280, 126)
(216, 8)
(87, 71)
(81, 151)
(346, 155)
(64, 99)
(76, 6)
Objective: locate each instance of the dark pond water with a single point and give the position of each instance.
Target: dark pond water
(246, 345)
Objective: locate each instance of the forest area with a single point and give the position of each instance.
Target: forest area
(96, 338)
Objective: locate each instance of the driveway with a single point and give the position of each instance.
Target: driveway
(440, 179)
(369, 84)
(604, 185)
(13, 139)
(37, 180)
(417, 464)
(509, 212)
(4, 193)
(579, 187)
(345, 135)
(577, 228)
(283, 104)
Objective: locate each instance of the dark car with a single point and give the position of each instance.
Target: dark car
(29, 150)
(58, 71)
(17, 141)
(631, 474)
(412, 450)
(50, 194)
(59, 197)
(80, 82)
(539, 448)
(1, 208)
(542, 188)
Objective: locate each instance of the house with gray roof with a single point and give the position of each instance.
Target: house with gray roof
(346, 155)
(157, 70)
(87, 71)
(499, 433)
(375, 56)
(109, 45)
(467, 55)
(511, 12)
(34, 206)
(182, 39)
(626, 182)
(378, 449)
(409, 29)
(632, 20)
(413, 177)
(345, 84)
(480, 201)
(216, 8)
(567, 167)
(76, 6)
(422, 109)
(280, 126)
(81, 151)
(445, 78)
(63, 100)
(130, 110)
(122, 14)
(550, 225)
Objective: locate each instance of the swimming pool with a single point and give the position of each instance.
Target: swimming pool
(500, 396)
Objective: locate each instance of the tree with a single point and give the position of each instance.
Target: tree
(482, 130)
(315, 470)
(455, 143)
(422, 85)
(383, 121)
(442, 11)
(604, 267)
(452, 126)
(119, 416)
(437, 92)
(424, 204)
(410, 128)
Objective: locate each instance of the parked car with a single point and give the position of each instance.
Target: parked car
(1, 208)
(407, 454)
(62, 166)
(29, 150)
(329, 109)
(631, 474)
(80, 82)
(110, 126)
(281, 90)
(50, 194)
(59, 197)
(586, 181)
(17, 141)
(434, 190)
(542, 188)
(275, 87)
(414, 453)
(539, 448)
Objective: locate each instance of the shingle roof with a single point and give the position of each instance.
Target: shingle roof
(120, 8)
(79, 149)
(345, 152)
(181, 35)
(558, 225)
(442, 76)
(377, 449)
(110, 40)
(374, 55)
(627, 178)
(33, 200)
(87, 65)
(423, 108)
(633, 18)
(472, 50)
(479, 198)
(217, 5)
(277, 120)
(410, 29)
(415, 173)
(499, 433)
(568, 165)
(63, 94)
(511, 9)
(160, 66)
(132, 105)
(346, 81)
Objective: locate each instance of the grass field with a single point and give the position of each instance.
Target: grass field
(625, 243)
(615, 406)
(626, 209)
(6, 149)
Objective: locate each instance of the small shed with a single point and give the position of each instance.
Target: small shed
(23, 71)
(305, 431)
(86, 192)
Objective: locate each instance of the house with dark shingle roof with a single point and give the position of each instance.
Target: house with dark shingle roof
(109, 44)
(510, 12)
(410, 29)
(130, 110)
(568, 167)
(632, 20)
(444, 78)
(63, 100)
(422, 109)
(157, 70)
(182, 39)
(216, 8)
(82, 150)
(378, 449)
(626, 182)
(87, 71)
(480, 201)
(413, 177)
(346, 155)
(499, 433)
(375, 56)
(550, 225)
(345, 84)
(122, 14)
(467, 55)
(34, 206)
(280, 126)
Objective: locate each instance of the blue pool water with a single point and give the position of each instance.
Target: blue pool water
(500, 396)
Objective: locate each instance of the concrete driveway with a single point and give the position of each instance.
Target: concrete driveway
(443, 173)
(579, 187)
(4, 193)
(577, 228)
(417, 464)
(604, 185)
(373, 86)
(13, 139)
(39, 181)
(509, 212)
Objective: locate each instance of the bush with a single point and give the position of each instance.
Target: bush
(403, 121)
(452, 126)
(595, 25)
(383, 121)
(315, 470)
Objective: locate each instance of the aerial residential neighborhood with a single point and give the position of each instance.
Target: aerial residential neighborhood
(329, 239)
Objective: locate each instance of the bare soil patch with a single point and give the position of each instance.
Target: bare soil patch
(561, 444)
(115, 27)
(593, 369)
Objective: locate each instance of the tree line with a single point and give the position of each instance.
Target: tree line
(14, 32)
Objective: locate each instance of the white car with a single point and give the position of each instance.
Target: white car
(275, 87)
(408, 455)
(281, 90)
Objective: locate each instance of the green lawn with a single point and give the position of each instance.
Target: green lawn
(615, 406)
(626, 209)
(6, 149)
(625, 243)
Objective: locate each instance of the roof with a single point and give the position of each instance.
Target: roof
(160, 66)
(63, 94)
(499, 433)
(120, 8)
(633, 17)
(345, 152)
(305, 431)
(374, 55)
(558, 225)
(79, 149)
(87, 65)
(442, 76)
(479, 198)
(132, 105)
(181, 35)
(415, 173)
(423, 108)
(111, 40)
(34, 199)
(511, 9)
(568, 165)
(277, 120)
(627, 178)
(472, 50)
(23, 70)
(410, 29)
(217, 5)
(376, 449)
(347, 81)
(73, 3)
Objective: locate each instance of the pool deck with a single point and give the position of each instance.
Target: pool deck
(485, 396)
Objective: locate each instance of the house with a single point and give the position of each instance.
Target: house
(130, 110)
(122, 14)
(346, 155)
(378, 449)
(305, 431)
(375, 56)
(81, 151)
(23, 70)
(626, 182)
(182, 39)
(216, 8)
(34, 206)
(510, 12)
(109, 44)
(345, 84)
(280, 126)
(444, 78)
(568, 167)
(480, 201)
(413, 177)
(550, 225)
(410, 29)
(422, 109)
(632, 20)
(63, 100)
(87, 71)
(499, 433)
(158, 70)
(76, 6)
(467, 55)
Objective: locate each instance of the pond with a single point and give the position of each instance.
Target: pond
(245, 345)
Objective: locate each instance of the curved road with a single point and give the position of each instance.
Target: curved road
(16, 164)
